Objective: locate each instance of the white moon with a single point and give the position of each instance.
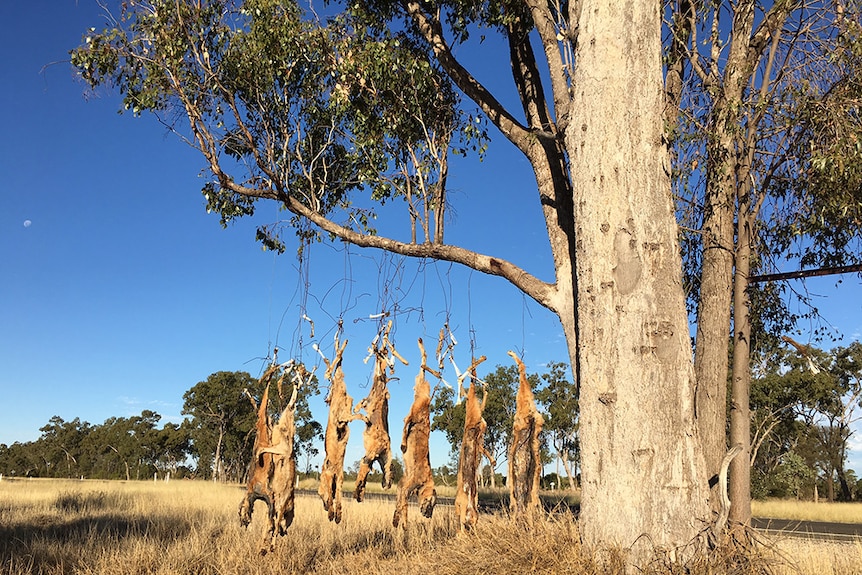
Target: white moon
(27, 223)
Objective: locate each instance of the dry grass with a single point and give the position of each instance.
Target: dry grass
(819, 557)
(808, 510)
(106, 528)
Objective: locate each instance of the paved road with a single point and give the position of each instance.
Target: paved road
(810, 529)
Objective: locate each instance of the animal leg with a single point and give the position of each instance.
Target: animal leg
(385, 462)
(268, 543)
(245, 508)
(427, 498)
(361, 478)
(325, 488)
(404, 489)
(339, 484)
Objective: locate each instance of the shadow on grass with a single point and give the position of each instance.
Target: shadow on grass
(62, 543)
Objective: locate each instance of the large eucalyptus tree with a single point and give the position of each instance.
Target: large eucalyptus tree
(327, 117)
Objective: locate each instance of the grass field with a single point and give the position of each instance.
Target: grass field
(98, 527)
(808, 510)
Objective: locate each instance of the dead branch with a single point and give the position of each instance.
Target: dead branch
(721, 521)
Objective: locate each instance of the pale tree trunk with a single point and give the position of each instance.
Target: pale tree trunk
(643, 478)
(217, 455)
(717, 273)
(740, 411)
(567, 466)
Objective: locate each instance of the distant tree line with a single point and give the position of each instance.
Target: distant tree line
(804, 401)
(120, 448)
(212, 442)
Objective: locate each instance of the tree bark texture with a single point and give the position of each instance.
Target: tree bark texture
(713, 328)
(644, 483)
(740, 411)
(717, 274)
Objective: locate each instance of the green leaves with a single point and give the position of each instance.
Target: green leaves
(820, 186)
(803, 402)
(227, 204)
(283, 105)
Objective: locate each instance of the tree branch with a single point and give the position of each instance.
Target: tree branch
(542, 292)
(545, 25)
(806, 273)
(496, 112)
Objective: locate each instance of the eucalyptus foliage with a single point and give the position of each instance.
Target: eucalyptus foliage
(787, 100)
(286, 105)
(804, 404)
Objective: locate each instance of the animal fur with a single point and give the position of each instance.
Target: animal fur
(525, 465)
(375, 438)
(337, 434)
(472, 449)
(260, 467)
(417, 478)
(272, 474)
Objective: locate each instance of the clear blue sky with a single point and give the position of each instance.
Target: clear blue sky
(118, 292)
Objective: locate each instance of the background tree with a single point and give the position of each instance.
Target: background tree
(753, 173)
(838, 413)
(313, 127)
(559, 397)
(785, 395)
(448, 417)
(170, 447)
(60, 446)
(792, 473)
(124, 447)
(222, 418)
(16, 460)
(804, 402)
(136, 448)
(445, 475)
(113, 449)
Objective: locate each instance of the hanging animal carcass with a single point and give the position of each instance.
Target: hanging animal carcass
(417, 476)
(337, 434)
(525, 464)
(472, 449)
(272, 473)
(375, 438)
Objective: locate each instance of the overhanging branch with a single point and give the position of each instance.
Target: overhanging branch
(805, 273)
(542, 292)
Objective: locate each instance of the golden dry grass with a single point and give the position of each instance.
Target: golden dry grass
(808, 510)
(97, 527)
